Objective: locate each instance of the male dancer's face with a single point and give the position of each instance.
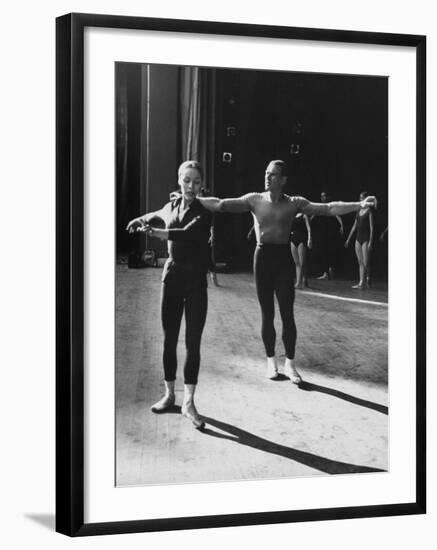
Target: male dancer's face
(273, 178)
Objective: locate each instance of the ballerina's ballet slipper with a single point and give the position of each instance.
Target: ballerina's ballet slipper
(163, 404)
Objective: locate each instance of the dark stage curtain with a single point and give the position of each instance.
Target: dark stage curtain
(197, 118)
(197, 124)
(128, 166)
(164, 115)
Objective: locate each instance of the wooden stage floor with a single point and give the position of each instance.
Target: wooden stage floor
(335, 423)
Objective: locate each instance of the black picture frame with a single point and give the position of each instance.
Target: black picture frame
(70, 273)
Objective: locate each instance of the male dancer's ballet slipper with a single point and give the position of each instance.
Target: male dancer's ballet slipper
(163, 404)
(293, 375)
(189, 411)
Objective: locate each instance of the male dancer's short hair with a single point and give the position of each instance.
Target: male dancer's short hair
(283, 167)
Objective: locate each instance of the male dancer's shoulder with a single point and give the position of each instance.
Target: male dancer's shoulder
(295, 198)
(297, 201)
(253, 195)
(252, 198)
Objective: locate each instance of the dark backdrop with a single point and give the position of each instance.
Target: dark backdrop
(330, 129)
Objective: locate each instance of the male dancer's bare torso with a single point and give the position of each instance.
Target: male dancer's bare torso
(273, 219)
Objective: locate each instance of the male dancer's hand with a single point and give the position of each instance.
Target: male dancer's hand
(369, 202)
(137, 224)
(146, 228)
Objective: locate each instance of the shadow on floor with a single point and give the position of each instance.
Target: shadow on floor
(242, 437)
(308, 386)
(335, 367)
(46, 520)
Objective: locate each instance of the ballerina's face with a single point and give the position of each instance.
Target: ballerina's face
(190, 182)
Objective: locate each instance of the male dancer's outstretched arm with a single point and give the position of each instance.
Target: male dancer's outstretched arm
(337, 208)
(235, 206)
(242, 204)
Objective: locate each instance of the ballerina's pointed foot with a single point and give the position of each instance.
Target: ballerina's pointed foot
(271, 369)
(163, 404)
(189, 411)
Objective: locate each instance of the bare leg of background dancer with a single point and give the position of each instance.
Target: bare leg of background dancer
(363, 225)
(299, 242)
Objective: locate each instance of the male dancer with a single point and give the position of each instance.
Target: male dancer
(273, 212)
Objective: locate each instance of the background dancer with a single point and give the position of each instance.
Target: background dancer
(300, 241)
(327, 235)
(363, 225)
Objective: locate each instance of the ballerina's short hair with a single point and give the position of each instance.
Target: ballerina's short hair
(191, 164)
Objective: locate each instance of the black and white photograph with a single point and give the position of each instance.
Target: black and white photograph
(251, 276)
(217, 244)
